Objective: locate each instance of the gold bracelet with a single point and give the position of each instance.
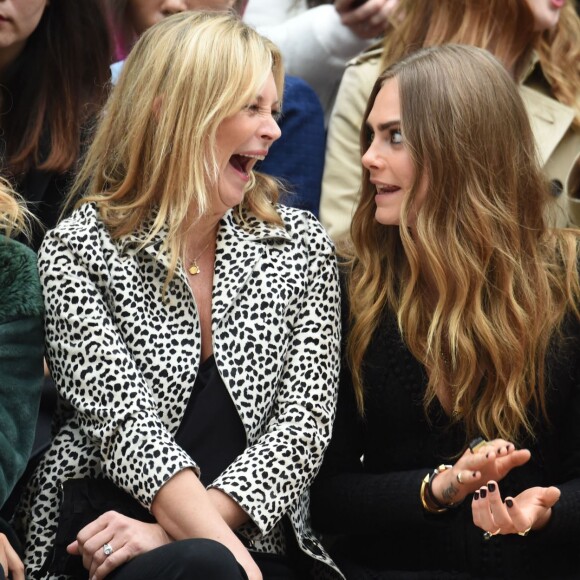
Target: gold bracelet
(423, 496)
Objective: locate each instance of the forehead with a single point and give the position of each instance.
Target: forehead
(387, 105)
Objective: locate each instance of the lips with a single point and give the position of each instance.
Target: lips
(558, 3)
(387, 189)
(244, 162)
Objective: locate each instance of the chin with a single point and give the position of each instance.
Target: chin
(387, 218)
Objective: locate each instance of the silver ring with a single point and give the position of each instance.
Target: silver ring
(458, 477)
(107, 549)
(490, 535)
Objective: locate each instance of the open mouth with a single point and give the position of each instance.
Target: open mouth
(243, 163)
(386, 189)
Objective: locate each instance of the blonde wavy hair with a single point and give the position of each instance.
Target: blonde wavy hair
(504, 27)
(154, 152)
(480, 286)
(14, 217)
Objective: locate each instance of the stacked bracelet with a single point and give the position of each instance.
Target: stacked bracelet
(428, 500)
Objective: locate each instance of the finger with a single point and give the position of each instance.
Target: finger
(485, 517)
(95, 550)
(499, 512)
(507, 462)
(363, 13)
(3, 561)
(551, 496)
(520, 521)
(117, 558)
(74, 548)
(466, 477)
(14, 566)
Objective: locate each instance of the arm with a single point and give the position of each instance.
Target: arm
(276, 469)
(94, 370)
(342, 166)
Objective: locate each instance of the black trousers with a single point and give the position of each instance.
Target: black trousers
(199, 559)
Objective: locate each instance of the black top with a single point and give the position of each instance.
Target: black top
(374, 502)
(211, 431)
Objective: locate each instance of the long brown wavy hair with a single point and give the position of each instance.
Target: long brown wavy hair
(58, 82)
(504, 27)
(480, 286)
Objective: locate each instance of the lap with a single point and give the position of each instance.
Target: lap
(200, 559)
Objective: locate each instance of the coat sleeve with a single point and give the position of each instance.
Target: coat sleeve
(342, 166)
(21, 366)
(95, 372)
(273, 472)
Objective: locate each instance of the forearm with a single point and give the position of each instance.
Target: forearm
(184, 509)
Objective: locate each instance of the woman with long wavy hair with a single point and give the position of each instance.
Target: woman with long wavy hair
(536, 40)
(461, 380)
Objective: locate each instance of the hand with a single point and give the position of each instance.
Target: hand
(368, 20)
(531, 509)
(9, 560)
(127, 537)
(492, 461)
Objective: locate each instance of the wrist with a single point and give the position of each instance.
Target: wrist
(438, 494)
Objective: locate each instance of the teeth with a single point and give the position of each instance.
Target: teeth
(258, 157)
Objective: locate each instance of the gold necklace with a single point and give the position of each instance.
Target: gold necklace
(194, 269)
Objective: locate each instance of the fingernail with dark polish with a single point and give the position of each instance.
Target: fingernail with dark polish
(474, 474)
(483, 493)
(509, 503)
(491, 487)
(475, 495)
(486, 455)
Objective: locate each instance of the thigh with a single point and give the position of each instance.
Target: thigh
(196, 559)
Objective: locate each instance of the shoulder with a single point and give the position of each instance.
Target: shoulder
(81, 229)
(20, 293)
(304, 229)
(370, 59)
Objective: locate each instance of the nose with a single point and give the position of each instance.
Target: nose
(170, 7)
(270, 130)
(371, 159)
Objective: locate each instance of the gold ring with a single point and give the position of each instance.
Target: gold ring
(458, 477)
(525, 532)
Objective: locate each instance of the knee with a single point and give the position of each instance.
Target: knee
(208, 559)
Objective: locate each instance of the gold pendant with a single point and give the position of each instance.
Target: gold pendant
(194, 269)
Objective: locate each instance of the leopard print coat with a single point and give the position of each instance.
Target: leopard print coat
(124, 358)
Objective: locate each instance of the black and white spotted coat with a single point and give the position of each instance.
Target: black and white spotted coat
(125, 359)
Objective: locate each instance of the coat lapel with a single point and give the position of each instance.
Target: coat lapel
(241, 243)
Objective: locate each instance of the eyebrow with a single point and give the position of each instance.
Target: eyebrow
(260, 100)
(383, 126)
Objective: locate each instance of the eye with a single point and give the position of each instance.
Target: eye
(276, 115)
(253, 108)
(370, 136)
(396, 137)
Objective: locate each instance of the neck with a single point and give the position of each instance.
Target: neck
(202, 233)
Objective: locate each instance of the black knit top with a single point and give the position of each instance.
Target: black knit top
(367, 492)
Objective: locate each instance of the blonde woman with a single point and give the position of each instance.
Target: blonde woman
(192, 324)
(21, 368)
(537, 41)
(461, 383)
